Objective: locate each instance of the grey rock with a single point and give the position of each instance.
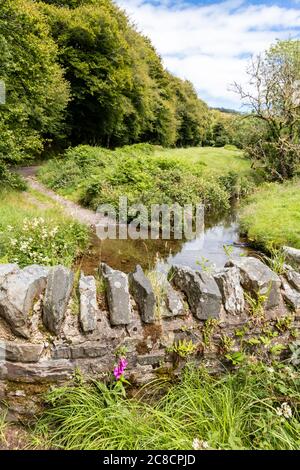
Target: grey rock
(88, 350)
(61, 352)
(117, 294)
(202, 292)
(174, 303)
(290, 295)
(152, 359)
(293, 278)
(57, 296)
(6, 269)
(257, 277)
(20, 352)
(142, 292)
(18, 291)
(49, 371)
(292, 254)
(88, 303)
(229, 283)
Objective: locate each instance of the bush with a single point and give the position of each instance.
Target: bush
(97, 176)
(38, 241)
(11, 180)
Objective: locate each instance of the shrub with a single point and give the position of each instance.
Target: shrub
(38, 241)
(97, 176)
(11, 180)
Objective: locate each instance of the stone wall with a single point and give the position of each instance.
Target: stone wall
(52, 324)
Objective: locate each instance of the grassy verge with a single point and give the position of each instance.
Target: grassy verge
(34, 230)
(254, 408)
(272, 215)
(149, 175)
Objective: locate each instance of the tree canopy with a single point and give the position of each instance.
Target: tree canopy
(78, 70)
(36, 91)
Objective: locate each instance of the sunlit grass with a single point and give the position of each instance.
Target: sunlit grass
(220, 160)
(272, 215)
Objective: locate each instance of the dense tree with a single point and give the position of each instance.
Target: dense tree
(120, 91)
(77, 71)
(192, 114)
(36, 92)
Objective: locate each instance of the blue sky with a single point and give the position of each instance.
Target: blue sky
(210, 42)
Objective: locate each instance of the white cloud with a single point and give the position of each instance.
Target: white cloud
(210, 44)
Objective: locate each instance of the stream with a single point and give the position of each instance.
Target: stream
(204, 251)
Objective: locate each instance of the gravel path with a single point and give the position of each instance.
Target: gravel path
(85, 216)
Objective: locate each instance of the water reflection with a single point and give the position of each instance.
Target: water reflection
(205, 250)
(209, 250)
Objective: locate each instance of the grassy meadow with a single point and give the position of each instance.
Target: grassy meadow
(220, 160)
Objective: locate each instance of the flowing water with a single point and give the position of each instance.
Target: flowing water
(211, 249)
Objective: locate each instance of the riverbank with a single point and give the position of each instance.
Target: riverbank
(271, 216)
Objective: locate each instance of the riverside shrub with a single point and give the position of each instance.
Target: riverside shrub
(94, 176)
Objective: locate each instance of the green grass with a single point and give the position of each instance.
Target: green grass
(216, 160)
(18, 207)
(150, 175)
(238, 410)
(272, 215)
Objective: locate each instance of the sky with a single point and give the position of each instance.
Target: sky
(210, 42)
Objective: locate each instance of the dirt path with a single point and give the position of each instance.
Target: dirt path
(85, 216)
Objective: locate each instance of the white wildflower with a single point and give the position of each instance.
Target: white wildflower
(24, 246)
(54, 231)
(198, 444)
(284, 410)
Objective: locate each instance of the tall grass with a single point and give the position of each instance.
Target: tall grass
(3, 427)
(239, 410)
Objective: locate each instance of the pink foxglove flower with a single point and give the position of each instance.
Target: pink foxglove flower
(120, 368)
